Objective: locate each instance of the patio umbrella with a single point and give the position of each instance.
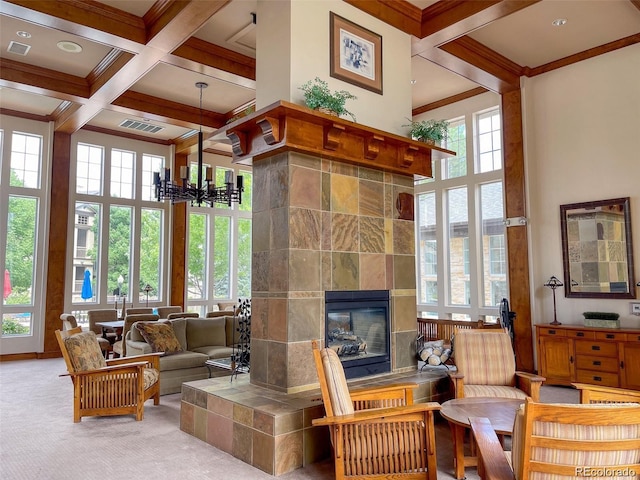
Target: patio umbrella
(7, 284)
(87, 292)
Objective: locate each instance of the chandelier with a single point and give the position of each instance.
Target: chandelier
(197, 194)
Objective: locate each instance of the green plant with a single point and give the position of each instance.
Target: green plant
(425, 130)
(12, 327)
(601, 315)
(317, 95)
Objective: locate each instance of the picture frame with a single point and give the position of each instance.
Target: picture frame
(355, 54)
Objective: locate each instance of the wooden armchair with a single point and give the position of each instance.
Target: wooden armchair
(107, 387)
(550, 440)
(376, 433)
(486, 367)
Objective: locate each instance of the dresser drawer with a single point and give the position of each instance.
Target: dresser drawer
(552, 332)
(600, 349)
(597, 364)
(620, 337)
(597, 378)
(585, 334)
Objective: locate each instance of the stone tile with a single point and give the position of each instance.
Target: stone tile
(404, 268)
(388, 235)
(405, 181)
(279, 228)
(242, 446)
(327, 271)
(371, 198)
(405, 349)
(344, 233)
(277, 359)
(260, 271)
(307, 161)
(263, 422)
(186, 418)
(277, 322)
(317, 444)
(372, 235)
(259, 364)
(304, 270)
(371, 174)
(325, 242)
(220, 432)
(311, 414)
(404, 242)
(372, 272)
(404, 312)
(305, 188)
(220, 406)
(260, 193)
(305, 319)
(261, 231)
(279, 182)
(279, 271)
(305, 228)
(340, 168)
(300, 370)
(259, 317)
(344, 194)
(389, 201)
(288, 452)
(243, 415)
(200, 423)
(263, 452)
(345, 274)
(288, 423)
(326, 191)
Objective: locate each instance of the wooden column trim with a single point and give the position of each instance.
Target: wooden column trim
(284, 126)
(517, 236)
(178, 266)
(57, 246)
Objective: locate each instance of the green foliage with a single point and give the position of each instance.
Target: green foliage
(119, 248)
(601, 315)
(21, 234)
(317, 95)
(436, 130)
(12, 327)
(197, 256)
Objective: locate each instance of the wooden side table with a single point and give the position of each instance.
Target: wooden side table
(501, 412)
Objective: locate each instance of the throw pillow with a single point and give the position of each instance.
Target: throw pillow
(160, 336)
(84, 351)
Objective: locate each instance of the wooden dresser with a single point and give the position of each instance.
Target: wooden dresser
(601, 356)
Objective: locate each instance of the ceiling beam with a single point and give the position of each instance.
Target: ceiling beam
(398, 13)
(448, 101)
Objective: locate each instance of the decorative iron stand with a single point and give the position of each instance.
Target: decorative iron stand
(240, 357)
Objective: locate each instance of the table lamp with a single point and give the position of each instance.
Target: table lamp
(554, 283)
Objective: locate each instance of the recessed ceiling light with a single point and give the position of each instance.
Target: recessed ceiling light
(413, 82)
(23, 34)
(69, 47)
(559, 22)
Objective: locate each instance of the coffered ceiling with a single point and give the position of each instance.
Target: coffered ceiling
(139, 59)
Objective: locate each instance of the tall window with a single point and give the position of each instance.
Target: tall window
(23, 224)
(460, 215)
(120, 231)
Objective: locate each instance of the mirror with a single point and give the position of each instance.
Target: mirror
(597, 249)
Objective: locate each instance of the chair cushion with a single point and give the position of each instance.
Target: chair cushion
(160, 336)
(151, 376)
(336, 383)
(485, 358)
(180, 329)
(84, 352)
(182, 361)
(501, 391)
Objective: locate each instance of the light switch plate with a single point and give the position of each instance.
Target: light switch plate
(635, 308)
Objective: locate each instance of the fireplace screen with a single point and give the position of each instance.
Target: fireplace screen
(357, 328)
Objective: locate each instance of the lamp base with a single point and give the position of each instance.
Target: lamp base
(555, 322)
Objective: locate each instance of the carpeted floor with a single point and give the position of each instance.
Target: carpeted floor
(38, 439)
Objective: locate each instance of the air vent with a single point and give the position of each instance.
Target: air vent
(18, 48)
(141, 126)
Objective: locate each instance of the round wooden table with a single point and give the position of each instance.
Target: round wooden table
(501, 412)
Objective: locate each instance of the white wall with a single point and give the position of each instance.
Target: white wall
(582, 143)
(293, 47)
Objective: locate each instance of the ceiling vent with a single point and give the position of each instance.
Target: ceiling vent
(18, 48)
(141, 126)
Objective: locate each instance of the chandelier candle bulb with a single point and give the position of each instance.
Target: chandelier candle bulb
(184, 172)
(208, 173)
(228, 177)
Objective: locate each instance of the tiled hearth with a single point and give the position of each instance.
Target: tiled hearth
(272, 430)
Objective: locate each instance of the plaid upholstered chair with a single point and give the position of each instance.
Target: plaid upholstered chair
(560, 440)
(107, 387)
(486, 367)
(376, 432)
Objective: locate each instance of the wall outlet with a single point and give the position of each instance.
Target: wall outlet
(635, 308)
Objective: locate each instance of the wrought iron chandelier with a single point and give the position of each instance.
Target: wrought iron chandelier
(197, 194)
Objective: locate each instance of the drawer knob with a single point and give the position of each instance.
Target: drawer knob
(610, 335)
(597, 363)
(597, 379)
(552, 332)
(580, 334)
(595, 347)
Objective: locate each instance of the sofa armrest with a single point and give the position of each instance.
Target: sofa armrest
(137, 348)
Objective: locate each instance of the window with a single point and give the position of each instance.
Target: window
(122, 173)
(25, 160)
(89, 163)
(460, 240)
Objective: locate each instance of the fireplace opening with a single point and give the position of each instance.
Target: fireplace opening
(357, 327)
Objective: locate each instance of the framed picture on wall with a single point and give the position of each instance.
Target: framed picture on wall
(356, 54)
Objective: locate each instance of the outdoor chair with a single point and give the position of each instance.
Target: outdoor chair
(486, 367)
(163, 312)
(375, 432)
(120, 347)
(69, 321)
(571, 440)
(107, 387)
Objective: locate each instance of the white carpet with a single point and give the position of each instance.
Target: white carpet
(38, 439)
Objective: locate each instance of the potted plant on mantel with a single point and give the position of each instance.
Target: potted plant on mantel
(317, 96)
(429, 131)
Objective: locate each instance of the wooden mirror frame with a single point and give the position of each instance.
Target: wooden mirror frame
(619, 204)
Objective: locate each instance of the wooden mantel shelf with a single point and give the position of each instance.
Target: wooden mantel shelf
(284, 126)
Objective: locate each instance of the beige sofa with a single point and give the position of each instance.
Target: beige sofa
(201, 339)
